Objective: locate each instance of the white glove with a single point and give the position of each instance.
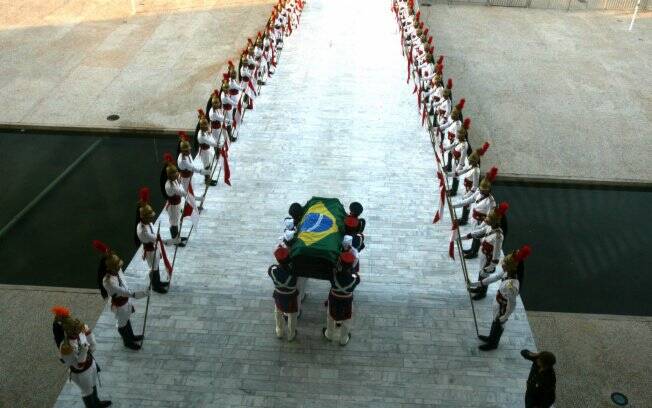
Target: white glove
(139, 294)
(205, 172)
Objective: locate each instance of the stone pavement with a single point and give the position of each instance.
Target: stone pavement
(336, 120)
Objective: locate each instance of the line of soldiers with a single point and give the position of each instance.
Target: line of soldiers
(289, 289)
(258, 62)
(458, 159)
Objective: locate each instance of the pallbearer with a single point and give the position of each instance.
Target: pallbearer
(286, 302)
(76, 344)
(152, 246)
(340, 300)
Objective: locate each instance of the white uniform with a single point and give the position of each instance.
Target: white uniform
(187, 167)
(217, 119)
(83, 370)
(206, 141)
(147, 237)
(472, 178)
(121, 306)
(229, 102)
(176, 193)
(481, 205)
(506, 299)
(490, 248)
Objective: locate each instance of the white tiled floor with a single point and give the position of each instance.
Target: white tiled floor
(336, 120)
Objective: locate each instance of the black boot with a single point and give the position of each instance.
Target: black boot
(98, 403)
(494, 336)
(473, 252)
(130, 332)
(155, 280)
(176, 238)
(89, 402)
(229, 131)
(126, 339)
(453, 191)
(465, 215)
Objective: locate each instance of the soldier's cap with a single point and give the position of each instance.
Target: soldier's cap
(355, 208)
(347, 258)
(295, 210)
(281, 254)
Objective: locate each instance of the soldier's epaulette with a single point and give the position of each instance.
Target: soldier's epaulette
(66, 349)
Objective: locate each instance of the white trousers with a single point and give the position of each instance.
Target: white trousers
(206, 156)
(86, 380)
(153, 259)
(331, 328)
(123, 313)
(174, 213)
(280, 323)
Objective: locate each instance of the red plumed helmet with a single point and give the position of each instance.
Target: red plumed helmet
(430, 40)
(440, 60)
(347, 258)
(225, 77)
(449, 84)
(523, 253)
(281, 253)
(230, 63)
(461, 104)
(201, 113)
(418, 15)
(491, 174)
(183, 136)
(426, 31)
(260, 34)
(502, 208)
(167, 157)
(100, 246)
(216, 92)
(143, 195)
(484, 148)
(439, 68)
(60, 311)
(467, 123)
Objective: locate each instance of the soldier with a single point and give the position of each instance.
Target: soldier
(340, 299)
(229, 103)
(285, 294)
(173, 192)
(186, 164)
(207, 143)
(216, 116)
(471, 171)
(354, 225)
(450, 127)
(443, 107)
(483, 202)
(492, 245)
(347, 247)
(459, 150)
(146, 236)
(505, 296)
(115, 285)
(76, 344)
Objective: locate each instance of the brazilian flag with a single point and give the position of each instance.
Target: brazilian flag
(320, 231)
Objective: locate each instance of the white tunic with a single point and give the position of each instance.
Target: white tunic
(79, 359)
(206, 141)
(116, 287)
(147, 235)
(505, 302)
(174, 188)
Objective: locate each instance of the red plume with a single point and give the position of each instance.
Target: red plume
(430, 40)
(201, 113)
(216, 92)
(449, 84)
(249, 41)
(460, 105)
(426, 31)
(484, 148)
(502, 208)
(143, 195)
(225, 77)
(183, 136)
(167, 157)
(60, 311)
(100, 246)
(230, 63)
(467, 123)
(418, 15)
(439, 68)
(523, 253)
(259, 34)
(491, 174)
(421, 25)
(440, 60)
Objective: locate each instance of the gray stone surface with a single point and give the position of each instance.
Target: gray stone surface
(336, 120)
(73, 63)
(597, 355)
(556, 93)
(32, 375)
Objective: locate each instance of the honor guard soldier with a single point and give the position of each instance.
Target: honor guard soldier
(186, 165)
(207, 145)
(506, 296)
(216, 116)
(229, 103)
(340, 299)
(354, 225)
(347, 247)
(286, 302)
(483, 202)
(76, 344)
(492, 244)
(295, 213)
(148, 237)
(173, 192)
(449, 128)
(443, 107)
(115, 285)
(471, 171)
(458, 148)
